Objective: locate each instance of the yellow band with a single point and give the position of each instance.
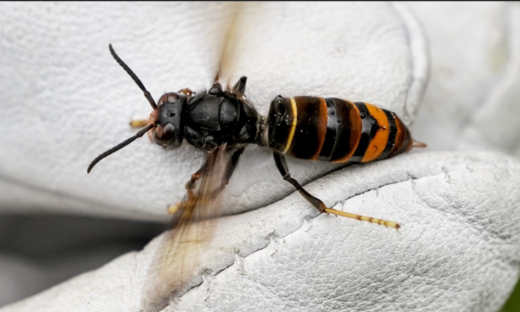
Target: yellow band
(293, 125)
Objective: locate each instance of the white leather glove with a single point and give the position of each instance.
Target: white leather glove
(459, 211)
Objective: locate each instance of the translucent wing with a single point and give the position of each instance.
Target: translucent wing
(176, 258)
(228, 51)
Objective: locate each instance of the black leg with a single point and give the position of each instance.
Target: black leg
(230, 168)
(207, 168)
(281, 164)
(190, 185)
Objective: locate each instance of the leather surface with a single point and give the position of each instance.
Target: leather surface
(457, 250)
(471, 102)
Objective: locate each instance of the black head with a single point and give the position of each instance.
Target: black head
(165, 120)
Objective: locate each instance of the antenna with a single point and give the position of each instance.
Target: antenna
(139, 134)
(147, 94)
(120, 146)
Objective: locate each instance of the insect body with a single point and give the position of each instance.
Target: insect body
(313, 128)
(335, 130)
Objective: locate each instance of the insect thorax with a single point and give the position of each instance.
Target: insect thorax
(216, 119)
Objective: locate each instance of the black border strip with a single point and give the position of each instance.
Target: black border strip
(332, 129)
(366, 128)
(391, 136)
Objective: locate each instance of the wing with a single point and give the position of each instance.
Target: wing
(228, 51)
(176, 258)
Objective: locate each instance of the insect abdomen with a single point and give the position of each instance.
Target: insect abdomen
(336, 130)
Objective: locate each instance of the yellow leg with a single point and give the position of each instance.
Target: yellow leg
(138, 123)
(363, 218)
(186, 92)
(316, 202)
(185, 203)
(192, 198)
(173, 209)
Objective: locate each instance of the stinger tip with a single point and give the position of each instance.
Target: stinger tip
(418, 144)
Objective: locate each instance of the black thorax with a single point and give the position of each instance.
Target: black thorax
(215, 118)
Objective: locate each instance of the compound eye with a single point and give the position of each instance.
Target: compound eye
(169, 98)
(173, 97)
(168, 132)
(165, 133)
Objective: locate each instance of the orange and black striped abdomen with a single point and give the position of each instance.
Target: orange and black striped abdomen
(336, 130)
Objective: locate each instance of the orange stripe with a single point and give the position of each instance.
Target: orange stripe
(355, 124)
(378, 142)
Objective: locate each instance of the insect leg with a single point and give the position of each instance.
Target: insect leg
(186, 92)
(207, 168)
(190, 185)
(281, 164)
(139, 123)
(230, 168)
